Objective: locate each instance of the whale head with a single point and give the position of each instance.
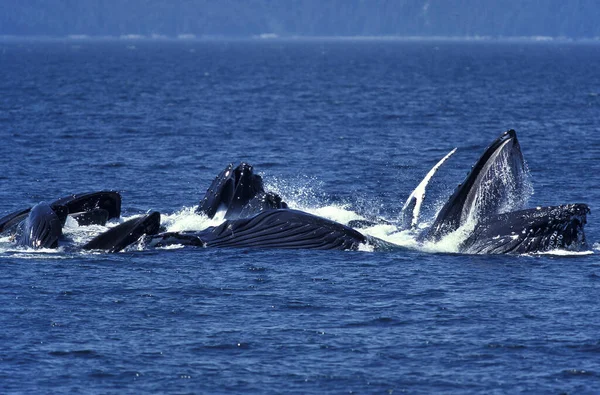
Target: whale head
(42, 227)
(231, 190)
(497, 183)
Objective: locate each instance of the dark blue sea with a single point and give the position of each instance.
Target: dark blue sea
(341, 128)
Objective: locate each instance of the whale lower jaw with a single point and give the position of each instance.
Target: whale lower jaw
(283, 229)
(497, 180)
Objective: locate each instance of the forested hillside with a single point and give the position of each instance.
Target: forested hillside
(238, 18)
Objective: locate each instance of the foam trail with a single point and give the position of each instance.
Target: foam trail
(418, 195)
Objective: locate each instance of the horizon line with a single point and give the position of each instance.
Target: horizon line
(275, 37)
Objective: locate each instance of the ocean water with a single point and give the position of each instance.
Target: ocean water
(342, 128)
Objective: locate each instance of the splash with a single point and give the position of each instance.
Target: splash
(305, 194)
(188, 219)
(338, 213)
(451, 242)
(391, 234)
(301, 193)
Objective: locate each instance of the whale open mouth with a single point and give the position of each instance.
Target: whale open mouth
(497, 183)
(237, 192)
(41, 228)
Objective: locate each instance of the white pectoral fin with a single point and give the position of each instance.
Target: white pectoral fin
(412, 206)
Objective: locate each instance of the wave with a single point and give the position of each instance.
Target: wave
(132, 37)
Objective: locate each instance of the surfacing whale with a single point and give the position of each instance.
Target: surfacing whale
(121, 236)
(530, 231)
(488, 206)
(277, 228)
(239, 193)
(90, 208)
(41, 226)
(256, 218)
(486, 200)
(495, 182)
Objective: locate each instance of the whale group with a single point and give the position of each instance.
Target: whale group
(488, 208)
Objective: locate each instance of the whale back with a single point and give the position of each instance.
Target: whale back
(530, 231)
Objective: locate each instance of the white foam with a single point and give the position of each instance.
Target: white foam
(132, 37)
(337, 213)
(363, 247)
(391, 234)
(32, 253)
(171, 247)
(188, 219)
(565, 253)
(186, 36)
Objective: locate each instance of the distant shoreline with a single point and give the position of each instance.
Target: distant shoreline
(274, 37)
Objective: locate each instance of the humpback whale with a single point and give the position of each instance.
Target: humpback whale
(485, 200)
(238, 192)
(488, 207)
(412, 206)
(90, 208)
(117, 238)
(495, 182)
(277, 228)
(257, 218)
(41, 226)
(531, 230)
